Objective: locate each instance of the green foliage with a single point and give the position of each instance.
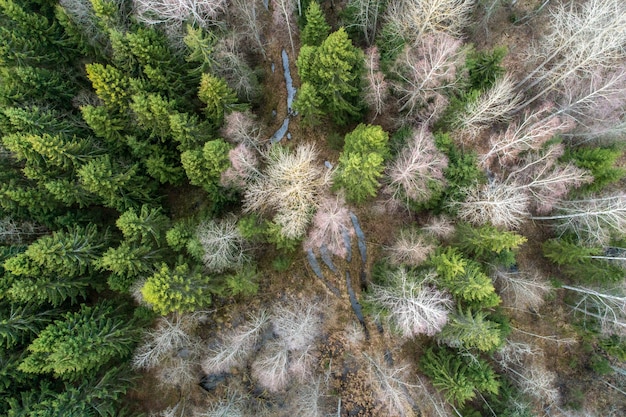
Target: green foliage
(152, 112)
(244, 282)
(19, 323)
(200, 44)
(178, 236)
(334, 70)
(35, 85)
(471, 330)
(179, 289)
(148, 226)
(119, 186)
(460, 377)
(126, 263)
(275, 236)
(67, 253)
(389, 44)
(484, 67)
(104, 123)
(218, 97)
(251, 227)
(282, 263)
(316, 28)
(602, 162)
(81, 342)
(485, 241)
(204, 168)
(464, 278)
(462, 172)
(361, 162)
(111, 85)
(576, 261)
(308, 104)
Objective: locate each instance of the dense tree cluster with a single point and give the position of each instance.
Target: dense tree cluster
(148, 223)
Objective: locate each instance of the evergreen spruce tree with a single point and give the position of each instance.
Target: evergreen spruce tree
(204, 167)
(127, 263)
(81, 342)
(471, 330)
(316, 28)
(334, 69)
(361, 162)
(179, 289)
(146, 227)
(218, 97)
(308, 105)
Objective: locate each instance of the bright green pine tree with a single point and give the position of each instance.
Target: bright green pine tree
(105, 124)
(112, 86)
(459, 377)
(308, 105)
(28, 85)
(152, 112)
(119, 186)
(204, 168)
(488, 243)
(180, 290)
(218, 97)
(147, 226)
(189, 131)
(471, 330)
(334, 69)
(70, 192)
(81, 342)
(316, 28)
(361, 162)
(68, 252)
(126, 263)
(464, 278)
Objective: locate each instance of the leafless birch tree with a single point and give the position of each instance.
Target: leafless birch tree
(415, 307)
(583, 37)
(364, 15)
(536, 129)
(175, 12)
(390, 385)
(417, 18)
(608, 309)
(247, 14)
(494, 105)
(521, 289)
(416, 168)
(410, 248)
(236, 345)
(497, 203)
(376, 87)
(283, 15)
(330, 222)
(425, 71)
(545, 179)
(223, 245)
(290, 186)
(593, 220)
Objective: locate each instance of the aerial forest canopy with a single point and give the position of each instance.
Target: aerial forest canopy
(384, 208)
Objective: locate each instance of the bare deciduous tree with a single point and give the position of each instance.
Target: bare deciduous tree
(271, 366)
(236, 345)
(297, 324)
(283, 14)
(376, 87)
(521, 289)
(497, 203)
(309, 400)
(424, 71)
(330, 223)
(410, 248)
(608, 309)
(291, 186)
(231, 65)
(176, 12)
(240, 127)
(440, 227)
(391, 386)
(494, 105)
(583, 37)
(417, 167)
(593, 220)
(223, 245)
(545, 179)
(364, 15)
(244, 163)
(249, 24)
(414, 306)
(417, 18)
(536, 129)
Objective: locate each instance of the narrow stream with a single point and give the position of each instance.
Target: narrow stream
(291, 94)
